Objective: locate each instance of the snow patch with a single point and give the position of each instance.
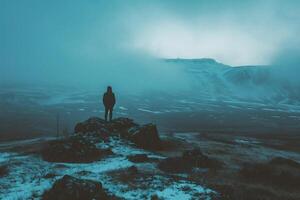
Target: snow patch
(183, 190)
(4, 157)
(122, 108)
(149, 111)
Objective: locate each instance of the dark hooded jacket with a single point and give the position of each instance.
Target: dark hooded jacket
(109, 99)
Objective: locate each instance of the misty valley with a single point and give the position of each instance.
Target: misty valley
(225, 134)
(218, 98)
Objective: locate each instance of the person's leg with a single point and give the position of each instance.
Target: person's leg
(106, 112)
(110, 114)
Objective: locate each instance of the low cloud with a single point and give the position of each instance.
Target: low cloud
(96, 43)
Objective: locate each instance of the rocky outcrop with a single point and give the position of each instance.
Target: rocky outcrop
(99, 125)
(71, 188)
(82, 146)
(145, 136)
(75, 149)
(190, 159)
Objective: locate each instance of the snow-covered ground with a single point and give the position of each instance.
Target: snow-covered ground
(27, 177)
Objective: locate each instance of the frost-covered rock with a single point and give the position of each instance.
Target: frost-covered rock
(75, 149)
(145, 136)
(71, 188)
(190, 159)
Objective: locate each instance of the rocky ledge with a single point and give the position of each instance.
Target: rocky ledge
(81, 147)
(143, 136)
(96, 141)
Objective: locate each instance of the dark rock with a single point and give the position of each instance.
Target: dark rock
(174, 165)
(138, 158)
(133, 170)
(126, 175)
(75, 149)
(79, 128)
(50, 175)
(99, 125)
(121, 124)
(4, 170)
(190, 159)
(93, 124)
(71, 188)
(145, 136)
(154, 197)
(225, 191)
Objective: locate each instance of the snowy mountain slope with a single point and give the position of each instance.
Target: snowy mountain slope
(215, 80)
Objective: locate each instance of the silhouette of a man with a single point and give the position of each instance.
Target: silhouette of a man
(109, 101)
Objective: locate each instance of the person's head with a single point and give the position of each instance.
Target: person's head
(109, 89)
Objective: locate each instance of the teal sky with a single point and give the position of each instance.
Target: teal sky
(43, 39)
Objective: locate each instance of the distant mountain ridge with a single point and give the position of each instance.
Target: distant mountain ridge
(202, 61)
(261, 83)
(206, 61)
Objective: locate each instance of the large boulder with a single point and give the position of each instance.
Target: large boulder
(190, 159)
(71, 188)
(145, 136)
(75, 149)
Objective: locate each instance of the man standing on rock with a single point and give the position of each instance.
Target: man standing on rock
(109, 101)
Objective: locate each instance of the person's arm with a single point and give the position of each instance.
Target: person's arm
(103, 99)
(114, 99)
